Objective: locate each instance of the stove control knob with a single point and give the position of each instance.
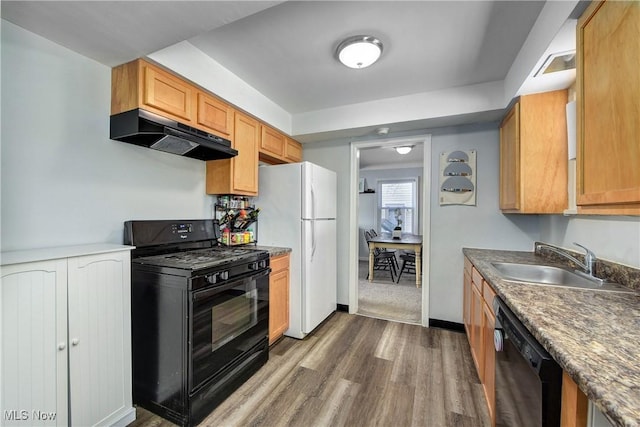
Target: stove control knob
(263, 263)
(212, 278)
(224, 275)
(253, 266)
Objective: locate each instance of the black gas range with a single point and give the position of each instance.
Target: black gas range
(200, 316)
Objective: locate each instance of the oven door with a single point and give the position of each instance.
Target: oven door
(227, 321)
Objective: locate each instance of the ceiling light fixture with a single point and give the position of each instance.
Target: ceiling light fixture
(359, 51)
(404, 149)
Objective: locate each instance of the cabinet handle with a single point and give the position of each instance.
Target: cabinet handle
(62, 346)
(75, 341)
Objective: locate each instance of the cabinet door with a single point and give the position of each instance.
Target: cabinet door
(477, 330)
(278, 298)
(166, 93)
(510, 160)
(239, 174)
(489, 360)
(272, 142)
(214, 115)
(292, 150)
(33, 378)
(100, 338)
(608, 83)
(466, 302)
(245, 164)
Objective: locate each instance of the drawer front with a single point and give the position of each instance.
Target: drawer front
(279, 263)
(477, 278)
(488, 294)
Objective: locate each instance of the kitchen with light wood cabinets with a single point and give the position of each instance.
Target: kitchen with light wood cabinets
(66, 329)
(239, 174)
(608, 109)
(278, 297)
(533, 155)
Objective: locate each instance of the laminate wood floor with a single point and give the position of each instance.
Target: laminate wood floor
(358, 371)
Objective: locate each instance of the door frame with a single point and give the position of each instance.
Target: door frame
(425, 215)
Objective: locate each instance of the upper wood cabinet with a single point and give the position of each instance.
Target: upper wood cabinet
(237, 175)
(533, 155)
(140, 84)
(214, 115)
(276, 147)
(292, 150)
(272, 142)
(608, 109)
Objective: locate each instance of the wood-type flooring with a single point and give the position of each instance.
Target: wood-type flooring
(358, 371)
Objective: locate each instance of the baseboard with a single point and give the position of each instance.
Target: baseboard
(445, 324)
(342, 307)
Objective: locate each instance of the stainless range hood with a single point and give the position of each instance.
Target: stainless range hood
(140, 127)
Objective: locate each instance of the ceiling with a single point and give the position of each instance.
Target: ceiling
(387, 158)
(285, 50)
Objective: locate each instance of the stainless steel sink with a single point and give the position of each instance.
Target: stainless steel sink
(554, 276)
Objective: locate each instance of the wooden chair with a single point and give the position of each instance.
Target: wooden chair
(382, 260)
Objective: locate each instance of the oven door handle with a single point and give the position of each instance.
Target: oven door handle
(214, 290)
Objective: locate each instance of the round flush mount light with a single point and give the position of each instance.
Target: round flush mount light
(404, 149)
(359, 51)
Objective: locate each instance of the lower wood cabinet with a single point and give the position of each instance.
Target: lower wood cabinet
(278, 297)
(66, 341)
(479, 320)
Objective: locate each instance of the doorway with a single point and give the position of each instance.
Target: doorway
(356, 264)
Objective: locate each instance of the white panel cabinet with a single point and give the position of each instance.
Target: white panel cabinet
(34, 344)
(66, 341)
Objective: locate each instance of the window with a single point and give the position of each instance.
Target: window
(397, 205)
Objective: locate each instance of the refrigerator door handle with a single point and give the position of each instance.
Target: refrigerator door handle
(313, 239)
(313, 203)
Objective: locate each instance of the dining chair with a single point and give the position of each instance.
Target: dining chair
(382, 260)
(395, 260)
(408, 263)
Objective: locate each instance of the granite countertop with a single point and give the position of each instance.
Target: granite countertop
(593, 335)
(273, 250)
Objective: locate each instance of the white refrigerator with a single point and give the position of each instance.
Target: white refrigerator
(297, 204)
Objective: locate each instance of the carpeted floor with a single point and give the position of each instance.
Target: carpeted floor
(384, 299)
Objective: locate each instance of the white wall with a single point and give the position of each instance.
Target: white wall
(191, 63)
(612, 238)
(63, 180)
(482, 226)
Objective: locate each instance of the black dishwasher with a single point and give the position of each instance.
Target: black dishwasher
(528, 380)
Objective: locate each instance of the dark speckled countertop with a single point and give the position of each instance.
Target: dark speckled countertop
(273, 250)
(593, 335)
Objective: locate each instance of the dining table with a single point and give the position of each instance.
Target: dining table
(407, 241)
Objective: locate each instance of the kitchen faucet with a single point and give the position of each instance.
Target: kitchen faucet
(589, 258)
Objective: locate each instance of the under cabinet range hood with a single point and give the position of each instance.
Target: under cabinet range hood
(141, 127)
